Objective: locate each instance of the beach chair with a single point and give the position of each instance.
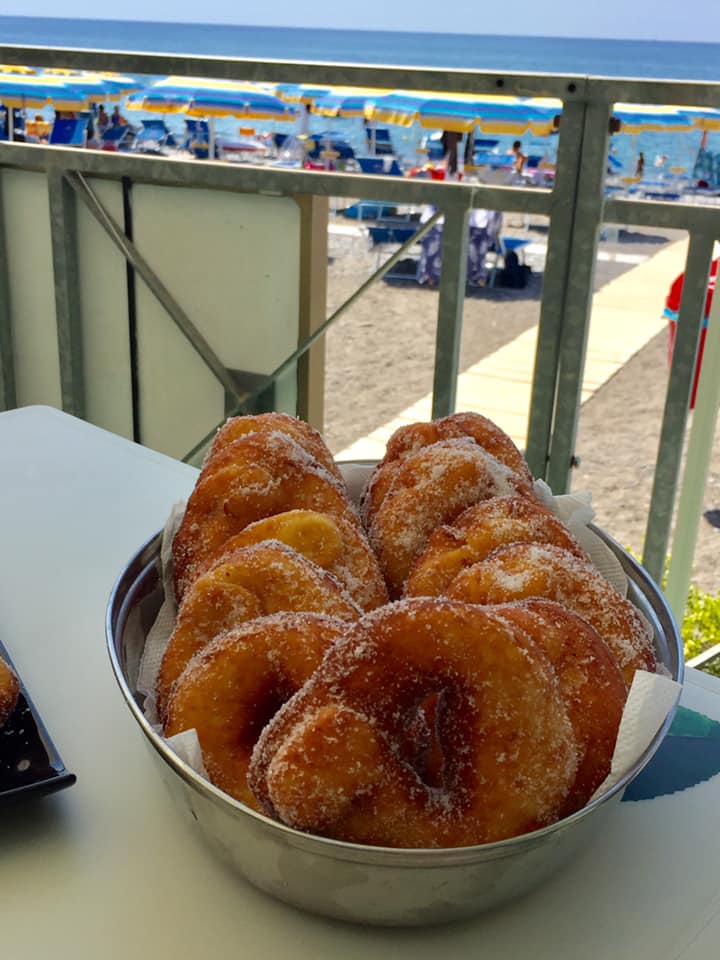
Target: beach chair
(197, 139)
(153, 136)
(69, 133)
(118, 138)
(384, 166)
(383, 143)
(389, 233)
(369, 210)
(329, 142)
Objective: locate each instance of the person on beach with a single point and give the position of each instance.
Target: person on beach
(450, 140)
(640, 168)
(519, 158)
(469, 152)
(117, 119)
(102, 121)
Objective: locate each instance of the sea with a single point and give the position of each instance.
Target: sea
(596, 57)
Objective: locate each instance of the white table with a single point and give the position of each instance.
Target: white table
(107, 869)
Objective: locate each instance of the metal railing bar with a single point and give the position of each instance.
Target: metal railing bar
(597, 89)
(450, 310)
(696, 469)
(273, 181)
(131, 287)
(154, 283)
(578, 297)
(555, 274)
(63, 236)
(565, 86)
(704, 658)
(8, 388)
(242, 68)
(675, 416)
(320, 331)
(688, 93)
(674, 214)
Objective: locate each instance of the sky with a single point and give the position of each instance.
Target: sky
(617, 19)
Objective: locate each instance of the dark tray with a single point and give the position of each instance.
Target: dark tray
(29, 762)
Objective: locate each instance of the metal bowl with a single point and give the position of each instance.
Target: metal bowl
(370, 885)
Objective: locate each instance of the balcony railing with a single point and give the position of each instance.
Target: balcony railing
(151, 231)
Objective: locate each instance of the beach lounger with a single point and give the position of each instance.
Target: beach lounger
(118, 138)
(322, 142)
(153, 136)
(384, 166)
(69, 133)
(389, 233)
(383, 143)
(369, 210)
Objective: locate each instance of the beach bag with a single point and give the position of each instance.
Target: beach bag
(514, 274)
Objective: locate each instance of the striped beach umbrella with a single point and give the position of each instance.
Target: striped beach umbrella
(33, 90)
(637, 118)
(97, 87)
(212, 98)
(347, 101)
(462, 113)
(300, 92)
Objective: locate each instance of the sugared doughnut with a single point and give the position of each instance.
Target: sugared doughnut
(431, 487)
(590, 681)
(409, 439)
(331, 761)
(521, 570)
(478, 531)
(335, 544)
(259, 475)
(9, 691)
(301, 432)
(236, 684)
(242, 584)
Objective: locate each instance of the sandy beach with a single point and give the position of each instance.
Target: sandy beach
(380, 360)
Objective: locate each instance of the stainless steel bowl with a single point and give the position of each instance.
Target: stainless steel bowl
(370, 885)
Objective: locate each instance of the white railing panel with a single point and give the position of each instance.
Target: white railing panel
(232, 263)
(104, 309)
(32, 287)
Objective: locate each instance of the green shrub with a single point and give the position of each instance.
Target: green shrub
(700, 628)
(701, 625)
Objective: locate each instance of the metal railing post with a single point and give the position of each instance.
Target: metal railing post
(63, 230)
(555, 276)
(577, 304)
(8, 390)
(313, 307)
(450, 309)
(675, 416)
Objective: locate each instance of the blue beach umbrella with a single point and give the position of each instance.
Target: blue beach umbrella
(347, 101)
(300, 92)
(462, 113)
(212, 98)
(24, 91)
(97, 87)
(637, 118)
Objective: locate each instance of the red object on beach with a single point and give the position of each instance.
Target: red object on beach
(672, 309)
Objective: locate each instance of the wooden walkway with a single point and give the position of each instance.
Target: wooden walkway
(626, 314)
